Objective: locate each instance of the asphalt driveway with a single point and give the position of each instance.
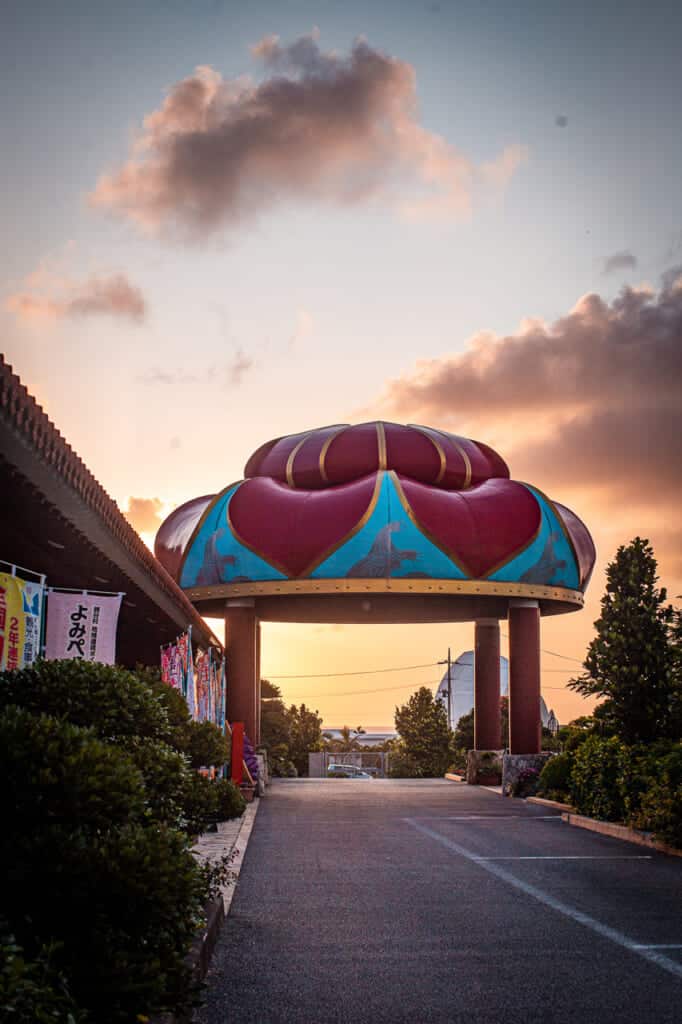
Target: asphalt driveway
(392, 901)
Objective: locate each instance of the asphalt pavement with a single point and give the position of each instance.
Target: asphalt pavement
(431, 901)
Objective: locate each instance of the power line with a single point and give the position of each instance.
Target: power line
(353, 693)
(366, 672)
(554, 654)
(381, 689)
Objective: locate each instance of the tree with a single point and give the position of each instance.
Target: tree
(425, 736)
(305, 735)
(274, 723)
(630, 662)
(464, 730)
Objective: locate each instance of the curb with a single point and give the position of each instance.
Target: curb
(201, 951)
(629, 835)
(555, 804)
(243, 837)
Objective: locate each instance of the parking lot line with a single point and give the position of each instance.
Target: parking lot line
(605, 931)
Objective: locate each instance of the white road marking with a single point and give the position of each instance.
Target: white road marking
(660, 945)
(606, 932)
(610, 856)
(493, 817)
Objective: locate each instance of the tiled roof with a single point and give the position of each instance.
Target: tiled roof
(29, 420)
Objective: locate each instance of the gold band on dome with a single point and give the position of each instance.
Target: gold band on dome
(442, 588)
(290, 461)
(381, 446)
(325, 449)
(467, 465)
(425, 431)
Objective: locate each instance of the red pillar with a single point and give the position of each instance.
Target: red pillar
(256, 738)
(487, 685)
(524, 677)
(240, 648)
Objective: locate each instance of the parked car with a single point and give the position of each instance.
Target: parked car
(346, 771)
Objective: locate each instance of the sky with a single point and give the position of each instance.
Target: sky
(228, 222)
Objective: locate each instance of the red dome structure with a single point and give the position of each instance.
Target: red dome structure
(381, 522)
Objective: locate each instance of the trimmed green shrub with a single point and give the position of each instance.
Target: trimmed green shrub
(89, 870)
(229, 801)
(208, 801)
(595, 786)
(206, 745)
(111, 701)
(32, 991)
(660, 806)
(55, 774)
(555, 778)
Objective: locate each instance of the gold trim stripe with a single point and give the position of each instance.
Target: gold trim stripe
(362, 521)
(425, 432)
(290, 461)
(381, 446)
(402, 497)
(481, 588)
(325, 449)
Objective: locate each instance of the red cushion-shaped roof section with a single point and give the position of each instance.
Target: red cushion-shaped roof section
(310, 525)
(481, 528)
(175, 532)
(340, 454)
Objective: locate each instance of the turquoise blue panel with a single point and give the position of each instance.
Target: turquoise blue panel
(549, 560)
(216, 556)
(388, 545)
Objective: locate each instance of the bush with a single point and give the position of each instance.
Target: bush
(92, 863)
(555, 778)
(32, 991)
(660, 807)
(206, 745)
(526, 784)
(229, 801)
(113, 702)
(209, 801)
(595, 786)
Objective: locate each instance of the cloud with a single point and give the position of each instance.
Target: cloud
(239, 367)
(50, 297)
(589, 403)
(144, 514)
(622, 260)
(231, 373)
(319, 125)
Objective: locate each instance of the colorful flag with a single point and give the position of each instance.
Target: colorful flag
(82, 626)
(21, 609)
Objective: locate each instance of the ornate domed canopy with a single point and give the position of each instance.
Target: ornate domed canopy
(377, 506)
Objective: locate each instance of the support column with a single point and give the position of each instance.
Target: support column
(240, 648)
(524, 677)
(487, 685)
(256, 739)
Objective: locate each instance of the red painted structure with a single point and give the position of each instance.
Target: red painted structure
(380, 522)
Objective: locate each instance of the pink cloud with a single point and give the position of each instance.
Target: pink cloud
(589, 403)
(49, 298)
(319, 125)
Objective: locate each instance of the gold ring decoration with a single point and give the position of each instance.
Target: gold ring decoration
(381, 446)
(431, 587)
(325, 449)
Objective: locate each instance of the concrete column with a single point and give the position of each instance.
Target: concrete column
(241, 629)
(524, 677)
(487, 685)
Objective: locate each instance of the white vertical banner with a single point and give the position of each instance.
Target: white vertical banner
(82, 626)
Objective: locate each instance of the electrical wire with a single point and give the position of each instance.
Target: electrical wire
(366, 672)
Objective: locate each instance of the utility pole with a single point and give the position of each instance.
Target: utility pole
(448, 662)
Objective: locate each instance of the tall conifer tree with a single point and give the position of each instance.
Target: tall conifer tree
(630, 661)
